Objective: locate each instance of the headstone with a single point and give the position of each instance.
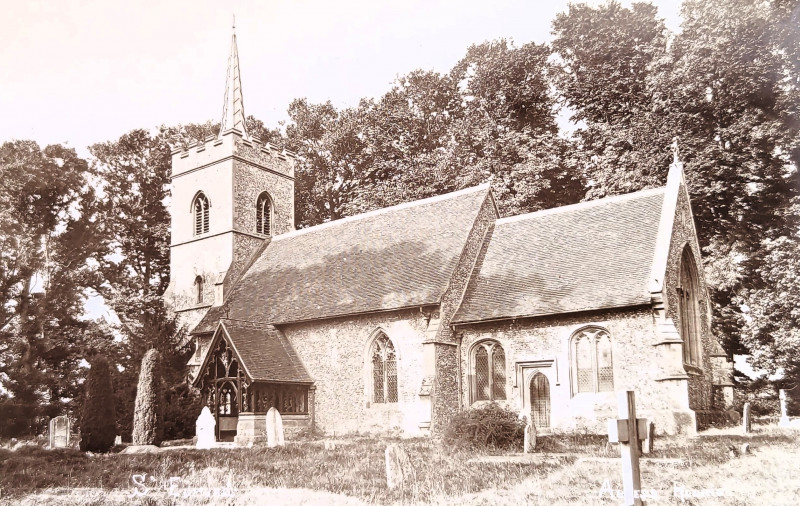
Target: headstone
(398, 466)
(118, 440)
(59, 432)
(529, 443)
(745, 448)
(784, 421)
(628, 435)
(274, 428)
(647, 442)
(746, 427)
(205, 429)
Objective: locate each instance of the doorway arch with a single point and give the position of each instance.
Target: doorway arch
(540, 401)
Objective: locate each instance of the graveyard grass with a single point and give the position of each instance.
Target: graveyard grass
(353, 472)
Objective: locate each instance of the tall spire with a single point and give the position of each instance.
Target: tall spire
(233, 110)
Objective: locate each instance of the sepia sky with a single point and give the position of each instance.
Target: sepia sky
(86, 71)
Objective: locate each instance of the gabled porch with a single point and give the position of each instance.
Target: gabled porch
(248, 370)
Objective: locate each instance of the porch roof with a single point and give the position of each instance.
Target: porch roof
(265, 353)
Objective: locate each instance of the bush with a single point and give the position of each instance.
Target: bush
(148, 413)
(98, 426)
(182, 408)
(490, 426)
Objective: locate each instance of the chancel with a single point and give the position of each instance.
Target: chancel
(394, 320)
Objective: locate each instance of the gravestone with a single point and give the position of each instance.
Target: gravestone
(529, 442)
(398, 466)
(118, 440)
(784, 421)
(647, 442)
(629, 430)
(746, 427)
(274, 428)
(205, 429)
(59, 432)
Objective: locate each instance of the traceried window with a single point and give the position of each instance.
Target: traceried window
(198, 289)
(488, 372)
(689, 309)
(384, 370)
(592, 368)
(200, 209)
(264, 214)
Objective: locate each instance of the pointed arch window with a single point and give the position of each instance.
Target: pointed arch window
(384, 370)
(264, 214)
(198, 289)
(488, 372)
(200, 209)
(689, 308)
(592, 367)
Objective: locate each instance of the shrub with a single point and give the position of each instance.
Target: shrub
(148, 413)
(489, 426)
(98, 426)
(183, 405)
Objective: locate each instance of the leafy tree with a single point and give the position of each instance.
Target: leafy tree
(727, 87)
(46, 237)
(148, 421)
(98, 427)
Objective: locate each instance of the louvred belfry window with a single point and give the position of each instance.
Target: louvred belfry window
(592, 368)
(384, 371)
(200, 214)
(489, 372)
(264, 214)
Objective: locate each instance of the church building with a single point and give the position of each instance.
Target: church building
(392, 321)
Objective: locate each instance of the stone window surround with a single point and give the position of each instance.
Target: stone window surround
(264, 199)
(368, 373)
(573, 371)
(473, 386)
(207, 211)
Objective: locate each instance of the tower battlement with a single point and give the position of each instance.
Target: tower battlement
(232, 144)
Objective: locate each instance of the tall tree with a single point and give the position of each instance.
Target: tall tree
(45, 239)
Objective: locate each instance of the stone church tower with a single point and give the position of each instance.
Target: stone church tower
(230, 193)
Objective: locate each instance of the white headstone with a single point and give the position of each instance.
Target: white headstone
(59, 432)
(274, 428)
(784, 421)
(118, 440)
(529, 442)
(205, 429)
(746, 426)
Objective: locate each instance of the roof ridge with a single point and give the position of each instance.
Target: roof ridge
(583, 205)
(383, 210)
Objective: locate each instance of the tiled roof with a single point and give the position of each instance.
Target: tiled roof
(209, 321)
(587, 256)
(396, 257)
(266, 354)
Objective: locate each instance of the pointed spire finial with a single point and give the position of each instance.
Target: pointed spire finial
(675, 153)
(233, 117)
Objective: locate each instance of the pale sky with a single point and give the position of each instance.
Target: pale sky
(86, 71)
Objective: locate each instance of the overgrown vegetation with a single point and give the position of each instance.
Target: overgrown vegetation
(489, 426)
(444, 474)
(148, 416)
(98, 420)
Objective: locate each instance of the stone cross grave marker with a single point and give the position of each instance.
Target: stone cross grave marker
(628, 436)
(59, 432)
(398, 466)
(205, 429)
(784, 412)
(274, 428)
(746, 427)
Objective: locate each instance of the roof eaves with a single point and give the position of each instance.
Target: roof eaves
(555, 313)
